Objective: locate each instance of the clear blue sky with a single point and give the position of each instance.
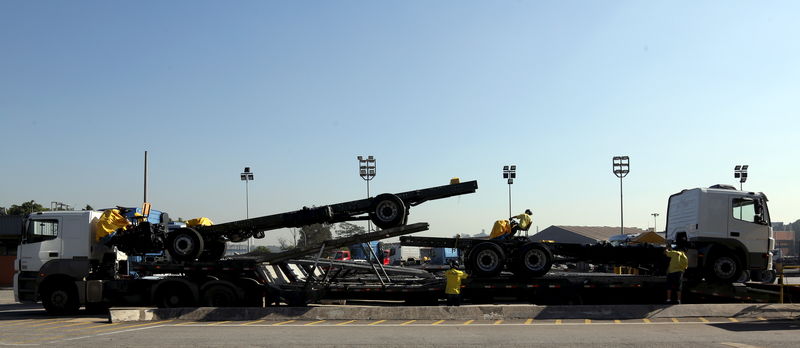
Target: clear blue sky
(297, 89)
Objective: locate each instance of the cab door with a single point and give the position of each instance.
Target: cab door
(41, 243)
(749, 225)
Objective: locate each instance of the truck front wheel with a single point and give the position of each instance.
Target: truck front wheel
(724, 267)
(184, 244)
(486, 259)
(60, 298)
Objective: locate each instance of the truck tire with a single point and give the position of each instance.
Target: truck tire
(185, 244)
(174, 294)
(723, 267)
(213, 250)
(486, 259)
(221, 294)
(60, 298)
(254, 292)
(765, 276)
(387, 211)
(768, 276)
(532, 260)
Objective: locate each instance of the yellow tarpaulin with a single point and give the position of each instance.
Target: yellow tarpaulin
(110, 221)
(649, 237)
(500, 228)
(201, 221)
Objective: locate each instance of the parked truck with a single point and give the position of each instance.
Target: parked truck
(61, 262)
(724, 231)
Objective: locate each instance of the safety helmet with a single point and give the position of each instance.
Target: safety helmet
(528, 211)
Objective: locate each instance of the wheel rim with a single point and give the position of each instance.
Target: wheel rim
(535, 259)
(725, 267)
(219, 296)
(59, 298)
(487, 260)
(183, 245)
(387, 210)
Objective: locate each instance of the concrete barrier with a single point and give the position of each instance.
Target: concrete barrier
(469, 312)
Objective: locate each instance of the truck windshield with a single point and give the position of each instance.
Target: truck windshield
(41, 230)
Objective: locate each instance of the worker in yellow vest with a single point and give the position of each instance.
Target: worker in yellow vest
(503, 229)
(453, 287)
(678, 263)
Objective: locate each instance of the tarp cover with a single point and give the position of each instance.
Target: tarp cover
(649, 237)
(201, 221)
(500, 228)
(110, 221)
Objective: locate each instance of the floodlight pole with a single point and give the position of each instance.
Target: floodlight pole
(621, 166)
(510, 173)
(367, 169)
(247, 176)
(655, 215)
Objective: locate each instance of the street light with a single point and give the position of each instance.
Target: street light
(740, 172)
(655, 215)
(510, 173)
(621, 165)
(247, 176)
(366, 169)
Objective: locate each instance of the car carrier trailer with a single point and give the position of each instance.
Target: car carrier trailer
(61, 262)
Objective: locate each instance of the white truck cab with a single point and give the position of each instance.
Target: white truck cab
(57, 254)
(725, 231)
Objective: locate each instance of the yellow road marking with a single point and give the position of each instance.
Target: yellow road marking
(617, 321)
(761, 318)
(558, 321)
(315, 322)
(734, 320)
(738, 345)
(92, 327)
(703, 320)
(218, 323)
(187, 323)
(408, 322)
(438, 322)
(377, 322)
(17, 322)
(469, 322)
(50, 322)
(254, 322)
(68, 325)
(284, 322)
(347, 322)
(646, 321)
(132, 326)
(587, 321)
(498, 322)
(39, 339)
(529, 321)
(675, 320)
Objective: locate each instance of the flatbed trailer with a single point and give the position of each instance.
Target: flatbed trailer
(528, 258)
(207, 243)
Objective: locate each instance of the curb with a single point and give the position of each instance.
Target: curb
(476, 312)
